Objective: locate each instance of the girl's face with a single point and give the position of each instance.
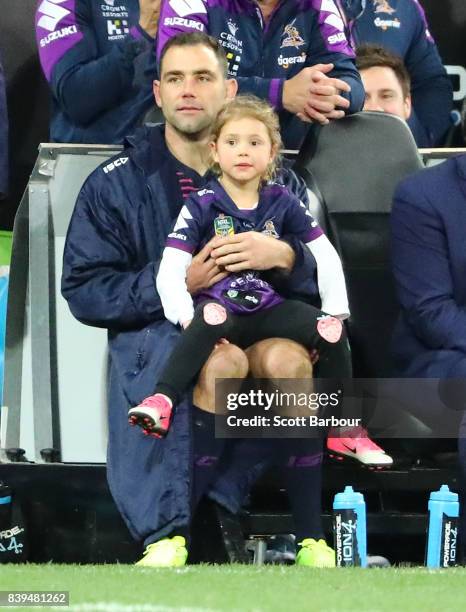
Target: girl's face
(243, 149)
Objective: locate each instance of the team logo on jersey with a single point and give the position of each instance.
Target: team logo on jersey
(52, 14)
(383, 6)
(224, 226)
(291, 36)
(269, 229)
(110, 2)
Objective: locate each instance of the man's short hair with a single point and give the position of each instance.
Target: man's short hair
(371, 56)
(193, 39)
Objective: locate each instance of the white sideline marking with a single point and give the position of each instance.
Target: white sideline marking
(111, 606)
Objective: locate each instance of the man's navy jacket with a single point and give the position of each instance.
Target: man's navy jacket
(123, 215)
(429, 265)
(263, 56)
(401, 27)
(3, 137)
(100, 66)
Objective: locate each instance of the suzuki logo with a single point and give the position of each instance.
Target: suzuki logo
(51, 14)
(188, 7)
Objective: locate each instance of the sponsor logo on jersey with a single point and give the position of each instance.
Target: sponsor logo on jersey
(333, 39)
(228, 41)
(285, 62)
(383, 6)
(117, 28)
(52, 13)
(63, 33)
(110, 10)
(291, 36)
(188, 7)
(232, 27)
(190, 24)
(233, 63)
(177, 236)
(387, 23)
(203, 192)
(121, 161)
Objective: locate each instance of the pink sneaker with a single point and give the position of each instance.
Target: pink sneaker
(153, 414)
(357, 445)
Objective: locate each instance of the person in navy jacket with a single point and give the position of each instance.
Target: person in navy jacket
(3, 137)
(112, 254)
(99, 60)
(401, 27)
(292, 53)
(429, 267)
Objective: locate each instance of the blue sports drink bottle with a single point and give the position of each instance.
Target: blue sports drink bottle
(442, 535)
(349, 528)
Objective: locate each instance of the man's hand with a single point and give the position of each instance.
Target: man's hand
(149, 12)
(252, 251)
(203, 271)
(315, 97)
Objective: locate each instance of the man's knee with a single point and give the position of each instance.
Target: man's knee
(226, 361)
(279, 358)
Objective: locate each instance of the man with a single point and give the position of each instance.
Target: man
(98, 60)
(292, 53)
(427, 223)
(3, 137)
(116, 236)
(401, 27)
(386, 81)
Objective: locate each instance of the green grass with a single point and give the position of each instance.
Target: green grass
(124, 588)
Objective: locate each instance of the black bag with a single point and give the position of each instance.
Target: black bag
(13, 535)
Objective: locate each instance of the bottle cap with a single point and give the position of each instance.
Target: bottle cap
(349, 496)
(444, 494)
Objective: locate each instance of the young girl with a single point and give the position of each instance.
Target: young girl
(243, 308)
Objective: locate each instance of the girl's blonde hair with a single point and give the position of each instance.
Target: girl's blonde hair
(253, 108)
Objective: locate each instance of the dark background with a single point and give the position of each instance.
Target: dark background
(28, 96)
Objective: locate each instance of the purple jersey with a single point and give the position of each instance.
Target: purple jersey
(211, 212)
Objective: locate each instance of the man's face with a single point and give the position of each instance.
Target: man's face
(192, 88)
(384, 92)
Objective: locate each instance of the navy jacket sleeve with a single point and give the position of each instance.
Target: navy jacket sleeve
(84, 82)
(431, 87)
(3, 137)
(105, 281)
(421, 268)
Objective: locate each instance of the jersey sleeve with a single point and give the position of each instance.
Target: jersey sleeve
(171, 286)
(178, 17)
(83, 82)
(300, 222)
(431, 87)
(330, 44)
